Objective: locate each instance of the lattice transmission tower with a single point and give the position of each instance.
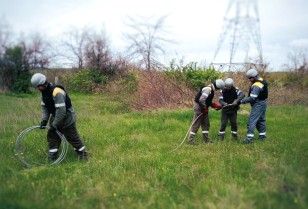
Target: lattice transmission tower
(242, 29)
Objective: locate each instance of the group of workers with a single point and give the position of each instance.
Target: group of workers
(229, 101)
(58, 110)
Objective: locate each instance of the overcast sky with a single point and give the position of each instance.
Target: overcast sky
(194, 24)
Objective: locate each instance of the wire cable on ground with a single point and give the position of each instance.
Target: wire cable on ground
(21, 150)
(186, 134)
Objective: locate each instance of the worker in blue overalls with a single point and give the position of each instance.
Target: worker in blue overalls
(257, 98)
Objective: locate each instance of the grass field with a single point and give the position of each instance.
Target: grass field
(131, 164)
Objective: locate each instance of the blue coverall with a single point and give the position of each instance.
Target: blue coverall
(258, 109)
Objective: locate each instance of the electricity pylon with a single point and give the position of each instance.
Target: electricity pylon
(242, 28)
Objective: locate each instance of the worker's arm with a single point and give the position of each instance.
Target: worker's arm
(59, 99)
(206, 91)
(256, 88)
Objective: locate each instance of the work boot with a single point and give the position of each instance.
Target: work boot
(247, 141)
(234, 136)
(206, 138)
(82, 155)
(52, 156)
(193, 142)
(221, 136)
(262, 138)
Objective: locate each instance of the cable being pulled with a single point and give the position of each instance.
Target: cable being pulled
(21, 151)
(186, 134)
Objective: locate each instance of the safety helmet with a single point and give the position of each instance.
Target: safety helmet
(251, 73)
(38, 79)
(220, 84)
(229, 82)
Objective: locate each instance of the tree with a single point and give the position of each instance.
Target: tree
(298, 61)
(5, 34)
(146, 41)
(298, 68)
(14, 70)
(37, 51)
(97, 52)
(18, 60)
(74, 44)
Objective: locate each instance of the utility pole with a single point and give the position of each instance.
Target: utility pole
(242, 29)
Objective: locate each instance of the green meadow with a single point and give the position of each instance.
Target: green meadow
(135, 160)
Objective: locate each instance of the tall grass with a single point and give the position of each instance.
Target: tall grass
(131, 164)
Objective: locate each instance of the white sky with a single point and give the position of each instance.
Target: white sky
(194, 24)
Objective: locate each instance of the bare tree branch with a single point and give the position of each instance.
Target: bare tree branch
(147, 40)
(5, 35)
(73, 45)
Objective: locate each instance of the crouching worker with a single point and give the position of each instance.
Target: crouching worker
(229, 99)
(204, 100)
(58, 110)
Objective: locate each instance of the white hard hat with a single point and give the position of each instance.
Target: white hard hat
(229, 82)
(38, 79)
(251, 73)
(220, 84)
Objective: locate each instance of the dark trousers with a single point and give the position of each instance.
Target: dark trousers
(225, 117)
(71, 134)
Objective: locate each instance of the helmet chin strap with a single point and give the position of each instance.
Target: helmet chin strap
(215, 85)
(46, 84)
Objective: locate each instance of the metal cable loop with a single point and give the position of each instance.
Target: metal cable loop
(20, 151)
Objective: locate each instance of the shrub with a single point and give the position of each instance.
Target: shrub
(191, 76)
(83, 81)
(21, 83)
(198, 78)
(123, 85)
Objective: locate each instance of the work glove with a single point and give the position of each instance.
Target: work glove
(53, 128)
(216, 106)
(227, 106)
(43, 124)
(235, 103)
(224, 105)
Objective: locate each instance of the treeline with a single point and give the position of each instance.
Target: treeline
(138, 88)
(79, 49)
(136, 77)
(83, 50)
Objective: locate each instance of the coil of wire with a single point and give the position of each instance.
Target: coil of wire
(29, 150)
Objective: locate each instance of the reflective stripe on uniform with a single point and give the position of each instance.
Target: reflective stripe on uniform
(82, 148)
(205, 132)
(258, 84)
(53, 150)
(253, 95)
(233, 132)
(250, 135)
(222, 132)
(262, 134)
(60, 105)
(57, 90)
(207, 88)
(192, 133)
